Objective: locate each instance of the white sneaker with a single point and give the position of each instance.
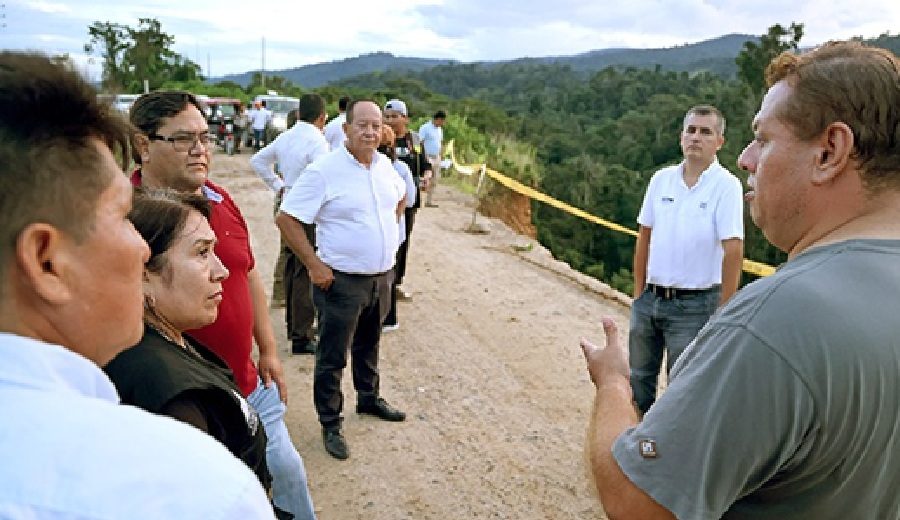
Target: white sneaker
(390, 328)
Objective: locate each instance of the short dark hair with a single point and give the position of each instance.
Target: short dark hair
(708, 110)
(353, 104)
(149, 110)
(440, 114)
(311, 107)
(50, 123)
(291, 118)
(159, 216)
(343, 102)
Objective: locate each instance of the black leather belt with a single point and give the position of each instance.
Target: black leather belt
(669, 293)
(360, 275)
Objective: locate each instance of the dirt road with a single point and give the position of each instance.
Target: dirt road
(486, 365)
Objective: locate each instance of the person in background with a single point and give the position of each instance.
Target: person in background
(166, 372)
(387, 148)
(432, 135)
(687, 260)
(260, 118)
(241, 124)
(334, 130)
(355, 198)
(294, 150)
(786, 404)
(408, 149)
(171, 151)
(70, 300)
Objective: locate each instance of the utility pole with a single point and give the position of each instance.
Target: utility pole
(263, 71)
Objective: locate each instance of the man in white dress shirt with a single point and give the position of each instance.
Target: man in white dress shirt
(293, 151)
(260, 118)
(355, 198)
(334, 130)
(71, 268)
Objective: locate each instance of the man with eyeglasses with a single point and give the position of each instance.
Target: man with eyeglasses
(172, 150)
(355, 198)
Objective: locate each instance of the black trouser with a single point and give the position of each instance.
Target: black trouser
(400, 267)
(299, 312)
(350, 315)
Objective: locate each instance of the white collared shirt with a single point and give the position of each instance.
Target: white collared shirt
(689, 225)
(69, 450)
(260, 118)
(293, 150)
(354, 209)
(431, 138)
(334, 131)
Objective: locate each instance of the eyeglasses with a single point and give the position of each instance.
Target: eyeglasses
(183, 142)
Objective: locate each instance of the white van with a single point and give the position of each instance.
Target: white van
(279, 106)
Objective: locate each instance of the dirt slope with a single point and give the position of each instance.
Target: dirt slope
(486, 364)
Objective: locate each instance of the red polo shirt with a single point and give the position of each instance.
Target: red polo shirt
(231, 335)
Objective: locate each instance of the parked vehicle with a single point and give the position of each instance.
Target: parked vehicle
(121, 102)
(280, 106)
(220, 118)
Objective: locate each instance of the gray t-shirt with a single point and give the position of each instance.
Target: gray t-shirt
(787, 404)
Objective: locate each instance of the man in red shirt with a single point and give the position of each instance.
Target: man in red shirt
(172, 151)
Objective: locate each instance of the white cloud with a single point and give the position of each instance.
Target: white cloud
(300, 33)
(48, 7)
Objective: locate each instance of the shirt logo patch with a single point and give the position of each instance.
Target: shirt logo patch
(647, 448)
(668, 200)
(702, 205)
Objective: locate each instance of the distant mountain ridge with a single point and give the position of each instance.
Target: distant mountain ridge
(715, 55)
(319, 74)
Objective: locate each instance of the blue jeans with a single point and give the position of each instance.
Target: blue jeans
(289, 489)
(258, 136)
(658, 324)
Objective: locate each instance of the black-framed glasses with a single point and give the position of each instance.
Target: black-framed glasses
(183, 142)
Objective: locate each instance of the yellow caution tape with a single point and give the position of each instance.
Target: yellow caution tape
(750, 266)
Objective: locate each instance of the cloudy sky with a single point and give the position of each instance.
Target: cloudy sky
(225, 36)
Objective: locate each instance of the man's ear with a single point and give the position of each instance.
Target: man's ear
(835, 149)
(43, 257)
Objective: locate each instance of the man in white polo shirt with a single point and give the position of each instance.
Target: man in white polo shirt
(293, 151)
(687, 260)
(355, 198)
(432, 135)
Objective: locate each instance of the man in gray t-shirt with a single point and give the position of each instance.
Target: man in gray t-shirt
(786, 404)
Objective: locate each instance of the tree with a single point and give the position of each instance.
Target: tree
(133, 55)
(110, 41)
(753, 60)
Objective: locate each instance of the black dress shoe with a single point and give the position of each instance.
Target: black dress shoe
(335, 444)
(308, 347)
(381, 409)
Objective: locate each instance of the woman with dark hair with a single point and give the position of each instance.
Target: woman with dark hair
(167, 373)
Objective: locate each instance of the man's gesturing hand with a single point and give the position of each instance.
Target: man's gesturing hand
(609, 362)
